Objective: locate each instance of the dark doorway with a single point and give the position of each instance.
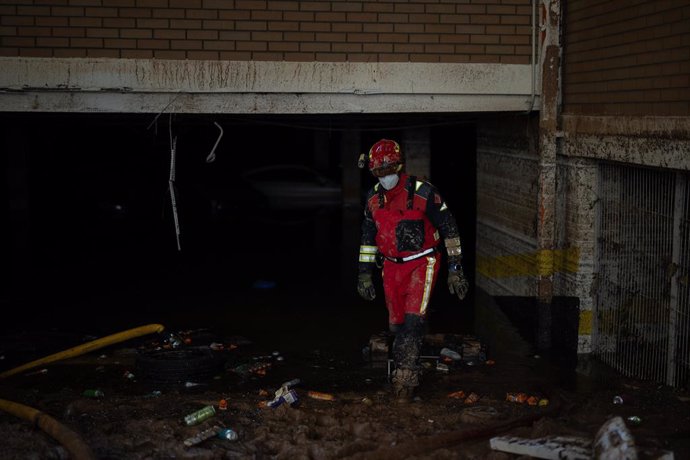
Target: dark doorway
(96, 240)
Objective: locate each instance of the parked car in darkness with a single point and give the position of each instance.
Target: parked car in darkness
(290, 186)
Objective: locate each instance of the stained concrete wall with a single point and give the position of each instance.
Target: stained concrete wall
(507, 206)
(624, 98)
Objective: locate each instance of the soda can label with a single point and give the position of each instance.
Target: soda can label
(275, 402)
(200, 415)
(291, 397)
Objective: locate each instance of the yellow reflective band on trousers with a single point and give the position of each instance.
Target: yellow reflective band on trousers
(428, 279)
(545, 262)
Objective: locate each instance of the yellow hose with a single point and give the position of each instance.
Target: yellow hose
(70, 440)
(87, 347)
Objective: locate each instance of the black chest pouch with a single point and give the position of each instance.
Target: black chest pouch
(409, 235)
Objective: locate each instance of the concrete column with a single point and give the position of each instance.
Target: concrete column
(549, 145)
(416, 145)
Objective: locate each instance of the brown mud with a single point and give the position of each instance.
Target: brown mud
(143, 418)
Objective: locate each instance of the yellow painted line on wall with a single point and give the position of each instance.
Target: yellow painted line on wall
(544, 262)
(585, 327)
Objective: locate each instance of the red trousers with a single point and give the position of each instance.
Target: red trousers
(408, 286)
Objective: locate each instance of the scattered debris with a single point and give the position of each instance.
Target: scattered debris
(199, 416)
(203, 436)
(321, 396)
(228, 434)
(613, 441)
(93, 393)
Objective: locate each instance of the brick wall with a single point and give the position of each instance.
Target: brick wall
(486, 31)
(627, 58)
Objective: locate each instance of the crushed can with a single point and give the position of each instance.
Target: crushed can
(228, 434)
(200, 415)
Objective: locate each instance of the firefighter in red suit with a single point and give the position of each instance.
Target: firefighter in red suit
(405, 223)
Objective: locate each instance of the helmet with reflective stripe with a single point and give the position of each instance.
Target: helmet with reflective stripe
(385, 157)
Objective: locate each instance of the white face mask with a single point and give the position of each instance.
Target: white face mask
(389, 181)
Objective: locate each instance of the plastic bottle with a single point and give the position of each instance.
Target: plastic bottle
(622, 399)
(202, 436)
(200, 415)
(93, 393)
(174, 340)
(634, 420)
(452, 354)
(229, 434)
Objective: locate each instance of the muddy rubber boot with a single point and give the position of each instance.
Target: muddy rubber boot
(405, 381)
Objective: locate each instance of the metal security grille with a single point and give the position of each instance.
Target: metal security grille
(643, 289)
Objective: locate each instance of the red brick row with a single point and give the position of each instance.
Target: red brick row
(422, 30)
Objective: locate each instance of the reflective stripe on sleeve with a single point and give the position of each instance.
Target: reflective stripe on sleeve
(367, 253)
(453, 246)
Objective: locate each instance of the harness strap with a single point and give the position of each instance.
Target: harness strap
(411, 182)
(382, 198)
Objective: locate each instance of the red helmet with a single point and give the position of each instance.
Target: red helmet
(385, 157)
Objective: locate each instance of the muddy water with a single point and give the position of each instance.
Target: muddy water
(288, 287)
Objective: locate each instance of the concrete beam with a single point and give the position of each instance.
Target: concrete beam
(149, 86)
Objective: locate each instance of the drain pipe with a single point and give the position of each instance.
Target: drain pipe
(549, 143)
(533, 96)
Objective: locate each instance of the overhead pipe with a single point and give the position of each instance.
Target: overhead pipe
(87, 347)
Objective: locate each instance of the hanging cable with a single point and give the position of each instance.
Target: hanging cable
(171, 183)
(212, 156)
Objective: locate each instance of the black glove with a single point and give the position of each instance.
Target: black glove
(457, 283)
(365, 286)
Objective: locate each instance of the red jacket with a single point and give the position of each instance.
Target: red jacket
(403, 221)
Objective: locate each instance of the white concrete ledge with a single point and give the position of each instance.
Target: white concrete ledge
(128, 85)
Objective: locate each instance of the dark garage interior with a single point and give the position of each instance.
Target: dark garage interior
(93, 247)
(93, 229)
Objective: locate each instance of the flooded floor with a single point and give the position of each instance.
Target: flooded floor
(270, 306)
(267, 334)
